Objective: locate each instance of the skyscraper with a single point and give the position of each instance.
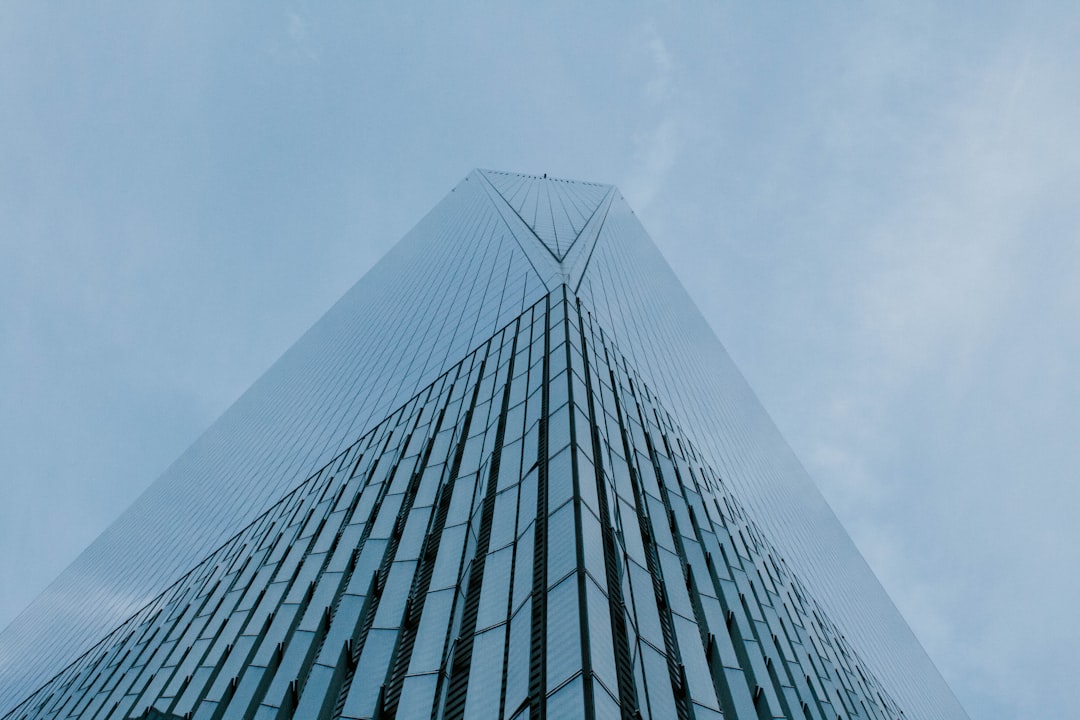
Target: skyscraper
(512, 473)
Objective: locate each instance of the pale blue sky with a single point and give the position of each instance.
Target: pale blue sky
(876, 208)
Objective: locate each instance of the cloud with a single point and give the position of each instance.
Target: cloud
(658, 87)
(953, 348)
(657, 144)
(299, 45)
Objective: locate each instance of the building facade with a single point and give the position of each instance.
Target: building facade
(511, 474)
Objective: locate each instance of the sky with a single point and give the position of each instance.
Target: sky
(874, 206)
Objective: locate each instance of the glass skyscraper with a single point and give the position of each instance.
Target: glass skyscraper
(510, 474)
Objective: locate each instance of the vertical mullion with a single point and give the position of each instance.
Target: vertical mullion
(538, 654)
(628, 701)
(579, 543)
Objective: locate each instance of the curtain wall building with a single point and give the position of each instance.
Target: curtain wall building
(510, 474)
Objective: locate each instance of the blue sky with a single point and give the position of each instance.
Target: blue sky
(876, 209)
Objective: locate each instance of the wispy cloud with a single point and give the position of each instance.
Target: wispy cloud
(947, 285)
(657, 143)
(299, 42)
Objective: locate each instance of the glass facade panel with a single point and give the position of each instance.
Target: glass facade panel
(535, 487)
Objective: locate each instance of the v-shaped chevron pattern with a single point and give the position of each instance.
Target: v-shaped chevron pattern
(556, 211)
(511, 474)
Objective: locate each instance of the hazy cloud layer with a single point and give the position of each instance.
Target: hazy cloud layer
(875, 208)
